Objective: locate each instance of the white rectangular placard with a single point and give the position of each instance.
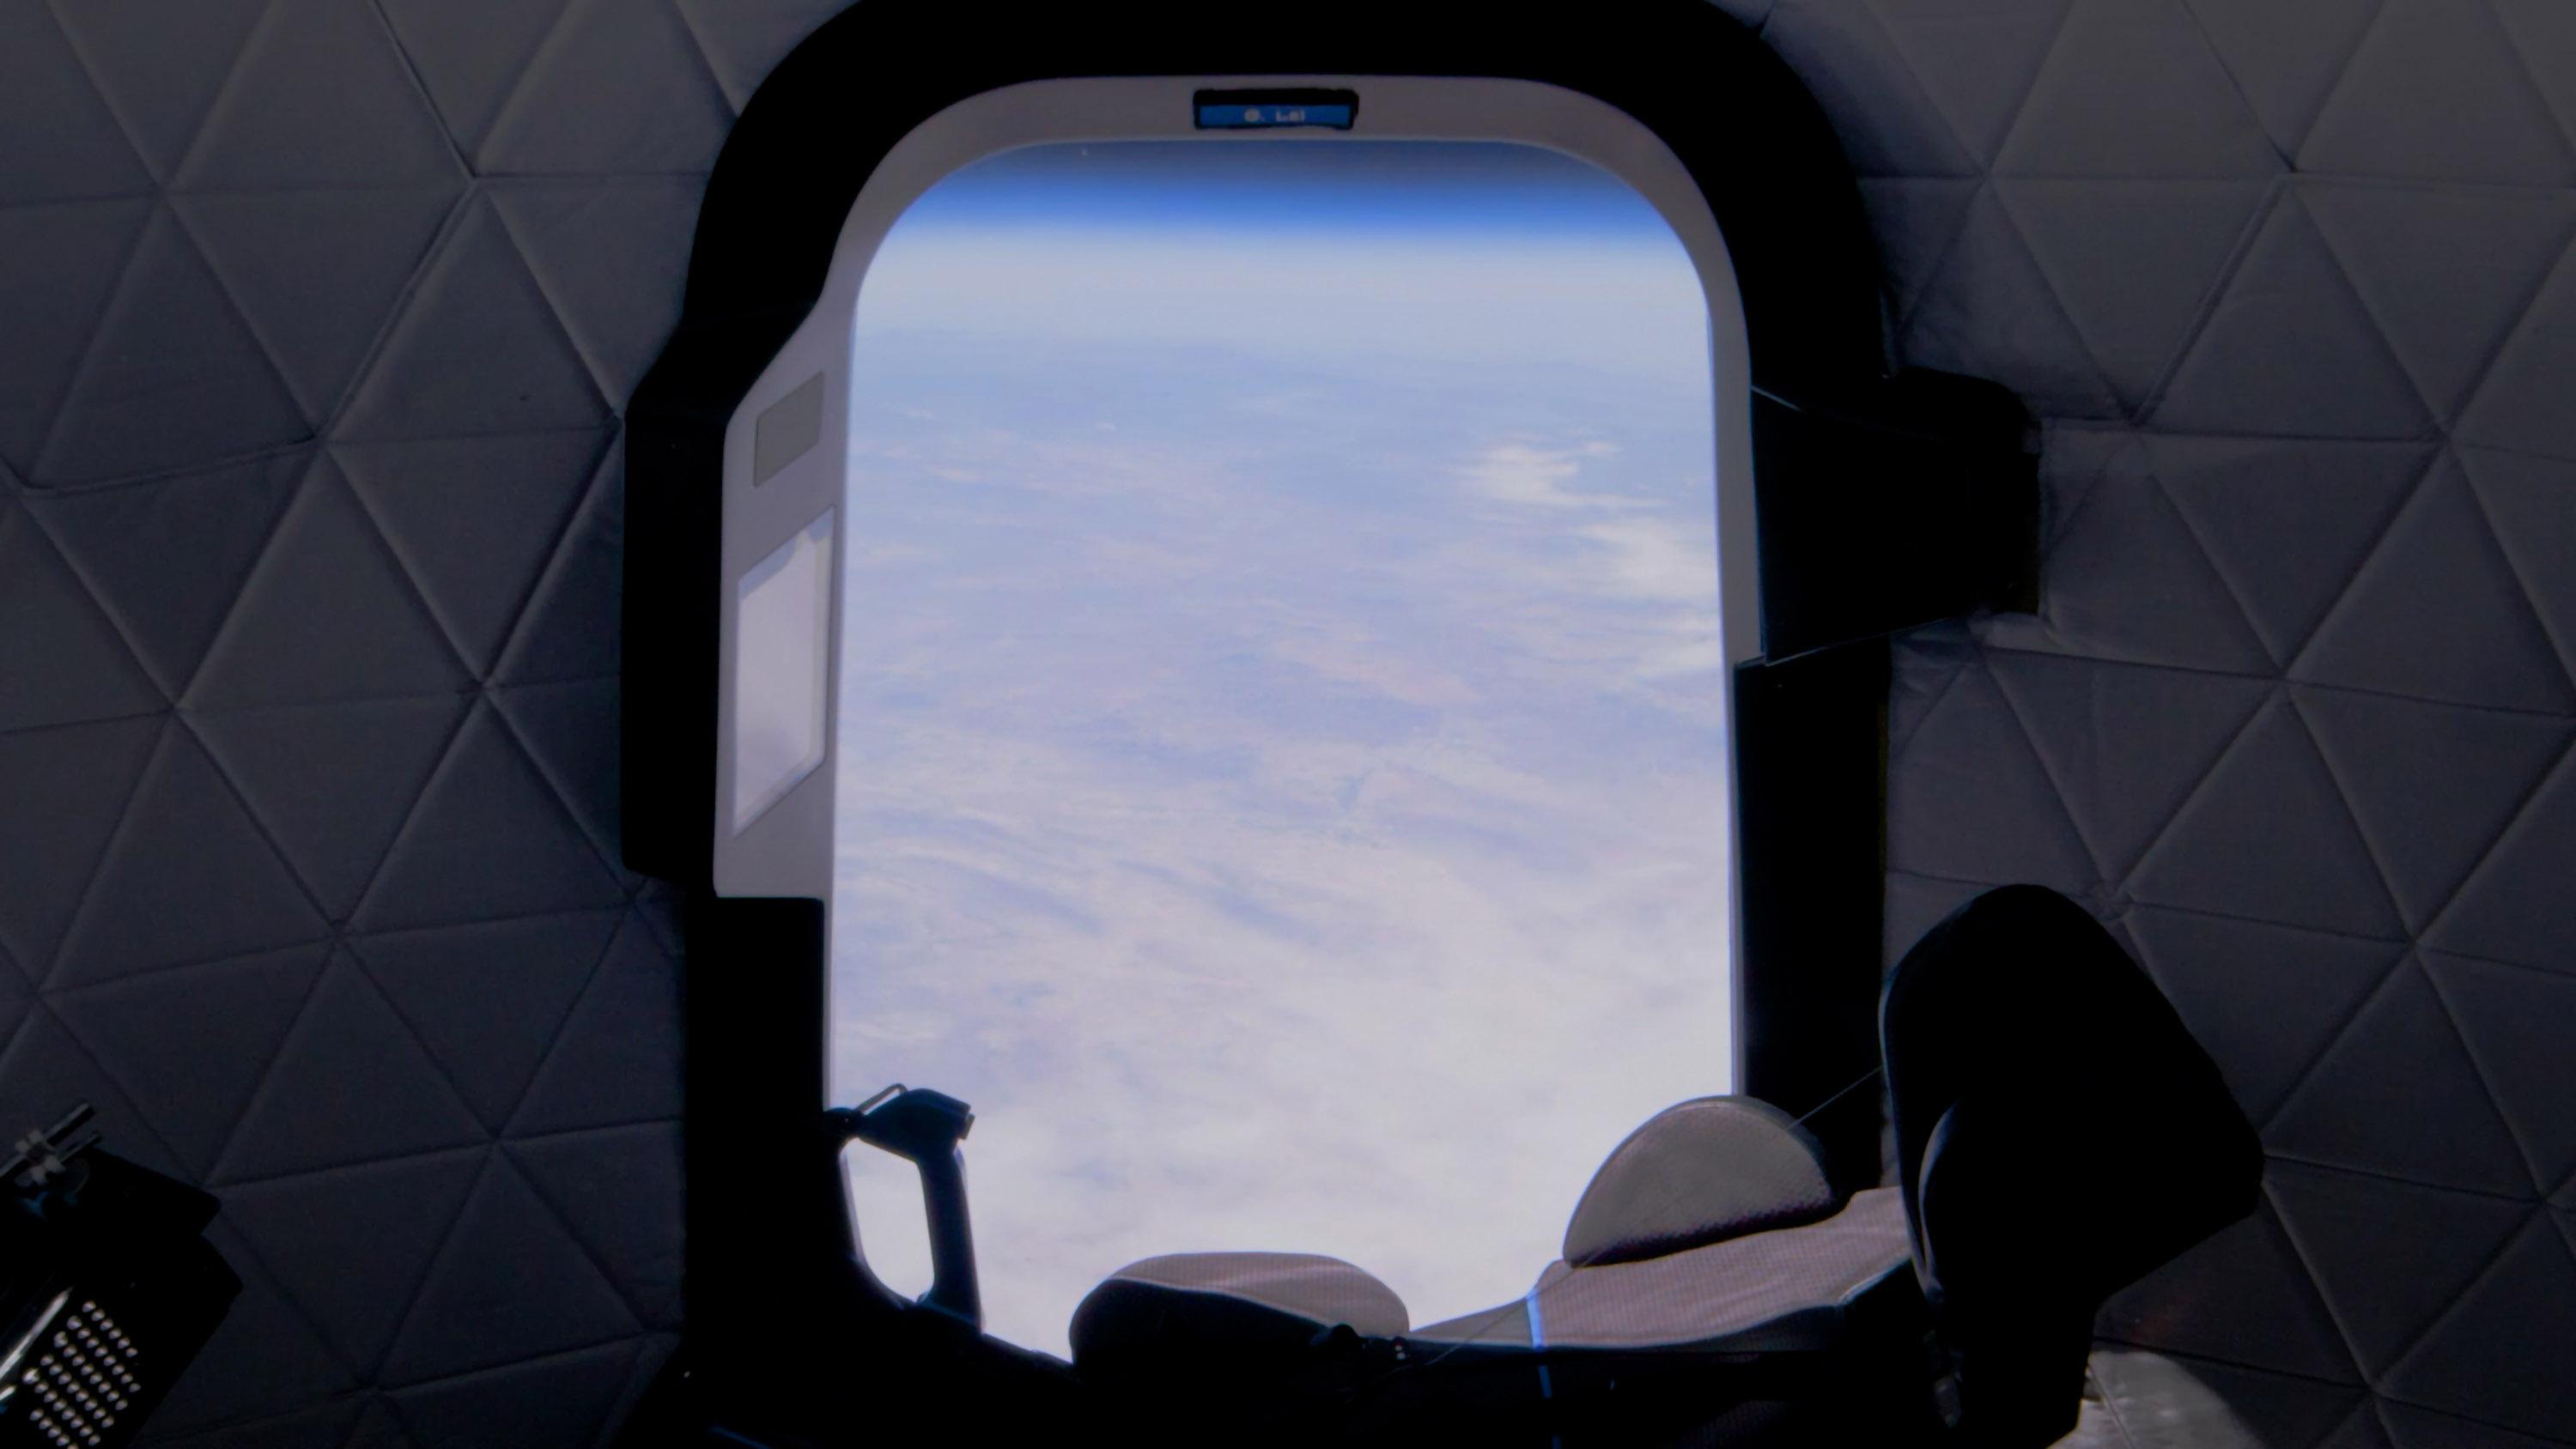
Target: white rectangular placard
(782, 664)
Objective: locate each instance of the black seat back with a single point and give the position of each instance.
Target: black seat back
(2059, 1135)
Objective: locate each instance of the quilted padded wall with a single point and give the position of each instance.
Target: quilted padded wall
(2290, 282)
(315, 321)
(316, 317)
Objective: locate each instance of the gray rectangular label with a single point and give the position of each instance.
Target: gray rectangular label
(787, 431)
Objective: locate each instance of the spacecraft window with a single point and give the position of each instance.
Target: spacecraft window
(1280, 763)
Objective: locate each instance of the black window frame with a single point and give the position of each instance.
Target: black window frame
(1883, 501)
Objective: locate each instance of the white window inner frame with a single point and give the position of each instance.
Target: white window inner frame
(775, 492)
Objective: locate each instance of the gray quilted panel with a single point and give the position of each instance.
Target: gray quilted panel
(320, 313)
(2291, 284)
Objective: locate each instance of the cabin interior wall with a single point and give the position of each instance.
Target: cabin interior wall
(320, 315)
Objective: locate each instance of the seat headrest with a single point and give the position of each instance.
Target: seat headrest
(1697, 1173)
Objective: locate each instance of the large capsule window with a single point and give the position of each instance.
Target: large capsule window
(1280, 766)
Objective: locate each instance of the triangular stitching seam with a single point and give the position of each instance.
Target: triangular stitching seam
(2343, 797)
(1914, 72)
(2192, 796)
(492, 194)
(2561, 650)
(613, 864)
(106, 852)
(507, 660)
(80, 368)
(2208, 559)
(555, 311)
(252, 39)
(706, 59)
(106, 102)
(399, 310)
(2525, 322)
(2021, 108)
(2540, 787)
(506, 114)
(2219, 283)
(2342, 77)
(429, 605)
(2531, 86)
(2485, 1079)
(563, 1030)
(357, 948)
(420, 87)
(563, 1220)
(491, 1151)
(260, 1084)
(2305, 1076)
(2406, 500)
(2038, 756)
(2468, 1290)
(2191, 13)
(2316, 1282)
(411, 814)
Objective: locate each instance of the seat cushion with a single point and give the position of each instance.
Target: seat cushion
(1161, 1313)
(1698, 1173)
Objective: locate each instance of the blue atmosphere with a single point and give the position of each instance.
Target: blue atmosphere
(1282, 754)
(1329, 190)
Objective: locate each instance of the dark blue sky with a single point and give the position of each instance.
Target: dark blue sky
(1457, 191)
(1352, 256)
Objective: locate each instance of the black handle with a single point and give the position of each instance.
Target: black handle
(924, 1128)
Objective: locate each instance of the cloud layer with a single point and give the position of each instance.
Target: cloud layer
(1281, 786)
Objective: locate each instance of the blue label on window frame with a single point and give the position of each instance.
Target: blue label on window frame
(1265, 115)
(1275, 109)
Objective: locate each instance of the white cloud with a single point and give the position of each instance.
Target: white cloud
(1294, 819)
(1373, 663)
(1534, 477)
(1663, 559)
(1191, 1025)
(1221, 965)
